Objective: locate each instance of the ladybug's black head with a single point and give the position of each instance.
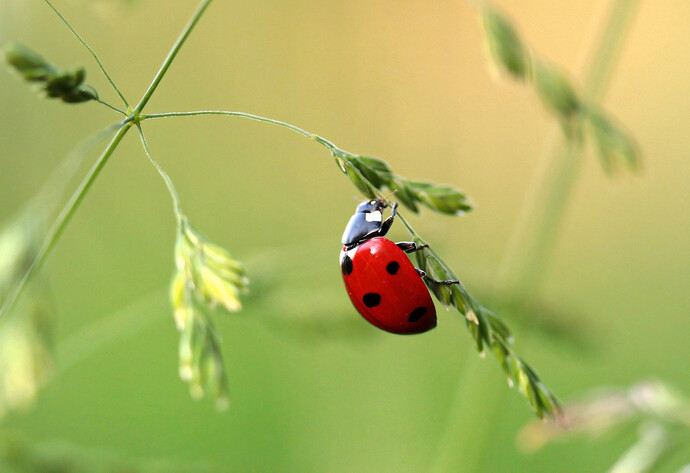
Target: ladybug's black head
(371, 206)
(365, 223)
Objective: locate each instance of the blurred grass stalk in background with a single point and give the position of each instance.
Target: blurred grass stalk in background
(464, 444)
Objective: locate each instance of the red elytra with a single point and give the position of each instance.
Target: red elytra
(386, 288)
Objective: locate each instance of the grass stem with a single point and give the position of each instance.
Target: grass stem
(93, 53)
(249, 116)
(529, 248)
(168, 182)
(171, 55)
(112, 107)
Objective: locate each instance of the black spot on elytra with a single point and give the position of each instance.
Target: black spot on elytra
(417, 314)
(371, 299)
(393, 267)
(346, 265)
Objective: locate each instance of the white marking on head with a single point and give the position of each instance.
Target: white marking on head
(373, 216)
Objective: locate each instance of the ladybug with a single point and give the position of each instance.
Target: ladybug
(384, 286)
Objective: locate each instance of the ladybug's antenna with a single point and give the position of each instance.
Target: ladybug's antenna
(385, 197)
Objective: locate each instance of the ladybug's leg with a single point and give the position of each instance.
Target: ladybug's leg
(447, 282)
(386, 224)
(410, 246)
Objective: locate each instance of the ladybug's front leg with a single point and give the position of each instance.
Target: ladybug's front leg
(386, 224)
(447, 282)
(410, 246)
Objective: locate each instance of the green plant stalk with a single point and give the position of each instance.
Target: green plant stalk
(111, 107)
(177, 206)
(543, 210)
(227, 113)
(196, 16)
(70, 208)
(530, 246)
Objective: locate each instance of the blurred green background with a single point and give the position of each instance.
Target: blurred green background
(313, 387)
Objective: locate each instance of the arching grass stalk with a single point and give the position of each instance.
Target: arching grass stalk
(331, 147)
(532, 239)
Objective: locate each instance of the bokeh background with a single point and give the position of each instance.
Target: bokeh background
(314, 388)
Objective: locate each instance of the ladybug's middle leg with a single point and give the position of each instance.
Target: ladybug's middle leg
(447, 282)
(410, 246)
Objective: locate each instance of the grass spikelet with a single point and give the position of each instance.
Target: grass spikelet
(68, 86)
(206, 276)
(373, 176)
(508, 52)
(504, 44)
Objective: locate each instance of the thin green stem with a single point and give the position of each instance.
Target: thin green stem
(111, 107)
(408, 227)
(331, 147)
(166, 178)
(171, 55)
(93, 53)
(63, 218)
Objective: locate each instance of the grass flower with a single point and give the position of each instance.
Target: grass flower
(206, 276)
